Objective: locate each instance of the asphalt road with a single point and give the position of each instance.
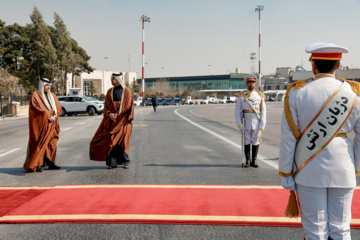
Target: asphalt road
(175, 145)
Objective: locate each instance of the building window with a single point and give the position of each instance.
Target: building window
(268, 88)
(277, 87)
(86, 88)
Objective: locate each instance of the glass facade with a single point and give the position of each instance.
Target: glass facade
(211, 82)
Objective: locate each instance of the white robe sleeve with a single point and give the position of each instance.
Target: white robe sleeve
(238, 112)
(262, 123)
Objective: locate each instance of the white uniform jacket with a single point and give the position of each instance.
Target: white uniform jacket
(337, 164)
(251, 120)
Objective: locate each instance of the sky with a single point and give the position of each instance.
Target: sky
(199, 37)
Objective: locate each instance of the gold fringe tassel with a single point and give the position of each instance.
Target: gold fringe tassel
(292, 209)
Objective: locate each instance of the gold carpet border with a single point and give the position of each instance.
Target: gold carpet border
(148, 217)
(154, 217)
(27, 188)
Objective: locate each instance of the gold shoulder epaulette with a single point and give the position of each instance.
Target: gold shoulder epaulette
(260, 93)
(299, 84)
(240, 94)
(287, 111)
(355, 86)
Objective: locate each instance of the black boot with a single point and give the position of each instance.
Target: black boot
(247, 154)
(255, 149)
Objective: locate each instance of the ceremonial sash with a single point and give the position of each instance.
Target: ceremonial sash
(324, 127)
(254, 104)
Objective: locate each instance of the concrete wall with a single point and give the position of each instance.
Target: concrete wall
(17, 110)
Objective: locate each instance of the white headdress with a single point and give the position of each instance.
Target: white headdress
(119, 76)
(47, 97)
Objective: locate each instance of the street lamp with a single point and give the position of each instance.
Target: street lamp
(106, 58)
(162, 71)
(143, 19)
(209, 68)
(259, 8)
(20, 86)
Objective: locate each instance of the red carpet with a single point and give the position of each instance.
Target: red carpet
(160, 204)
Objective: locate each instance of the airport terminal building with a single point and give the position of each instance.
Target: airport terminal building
(218, 85)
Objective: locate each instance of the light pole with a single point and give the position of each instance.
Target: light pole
(162, 71)
(106, 58)
(259, 8)
(143, 19)
(20, 86)
(209, 68)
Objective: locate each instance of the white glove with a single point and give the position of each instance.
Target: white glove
(242, 128)
(288, 183)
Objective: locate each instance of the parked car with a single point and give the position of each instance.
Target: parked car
(231, 99)
(176, 101)
(168, 101)
(209, 100)
(160, 101)
(80, 104)
(148, 102)
(223, 100)
(138, 101)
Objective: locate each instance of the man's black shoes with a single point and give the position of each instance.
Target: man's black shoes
(39, 169)
(54, 167)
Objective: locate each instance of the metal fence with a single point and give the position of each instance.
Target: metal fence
(6, 103)
(5, 99)
(23, 100)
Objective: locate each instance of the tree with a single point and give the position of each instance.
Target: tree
(8, 82)
(136, 88)
(82, 59)
(43, 54)
(163, 86)
(38, 50)
(92, 88)
(66, 60)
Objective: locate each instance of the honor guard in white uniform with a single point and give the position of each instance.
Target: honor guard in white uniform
(250, 115)
(317, 160)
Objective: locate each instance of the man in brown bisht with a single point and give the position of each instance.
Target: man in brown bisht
(112, 139)
(44, 112)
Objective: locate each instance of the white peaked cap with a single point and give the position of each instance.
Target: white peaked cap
(326, 51)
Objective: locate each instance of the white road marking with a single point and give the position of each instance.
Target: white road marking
(8, 152)
(260, 157)
(80, 123)
(66, 129)
(194, 113)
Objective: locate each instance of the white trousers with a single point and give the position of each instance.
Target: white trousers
(325, 212)
(252, 137)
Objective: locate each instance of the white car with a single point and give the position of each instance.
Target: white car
(80, 104)
(231, 99)
(223, 100)
(138, 101)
